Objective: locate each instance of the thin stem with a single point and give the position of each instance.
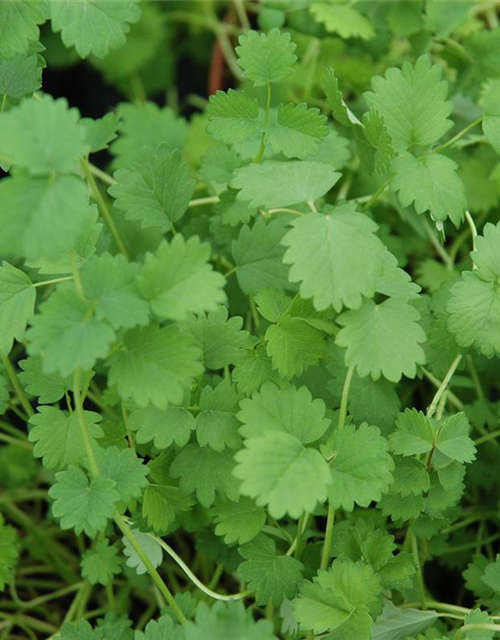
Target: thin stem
(446, 380)
(23, 398)
(228, 52)
(14, 441)
(420, 576)
(262, 148)
(475, 378)
(104, 177)
(377, 194)
(242, 14)
(4, 103)
(473, 231)
(327, 544)
(459, 135)
(157, 579)
(437, 383)
(198, 202)
(486, 438)
(440, 250)
(345, 397)
(285, 210)
(194, 579)
(104, 209)
(32, 604)
(44, 283)
(77, 382)
(76, 277)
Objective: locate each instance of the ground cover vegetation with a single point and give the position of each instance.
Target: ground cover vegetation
(249, 320)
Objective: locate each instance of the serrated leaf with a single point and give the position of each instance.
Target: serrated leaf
(178, 279)
(340, 260)
(57, 436)
(43, 136)
(232, 116)
(20, 76)
(412, 101)
(227, 621)
(341, 112)
(278, 471)
(155, 365)
(216, 423)
(162, 426)
(383, 339)
(156, 189)
(341, 18)
(93, 27)
(361, 469)
(414, 434)
(8, 552)
(266, 57)
(161, 504)
(101, 563)
(374, 143)
(66, 334)
(239, 521)
(431, 184)
(259, 257)
(19, 22)
(17, 302)
(220, 338)
(99, 133)
(253, 368)
(48, 387)
(82, 504)
(491, 121)
(206, 472)
(279, 184)
(125, 469)
(297, 132)
(272, 577)
(145, 124)
(453, 439)
(150, 547)
(110, 283)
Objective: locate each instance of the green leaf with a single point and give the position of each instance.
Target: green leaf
(57, 436)
(82, 504)
(206, 472)
(258, 255)
(491, 575)
(374, 143)
(486, 257)
(279, 184)
(361, 469)
(431, 184)
(266, 57)
(340, 260)
(410, 475)
(109, 282)
(125, 469)
(99, 133)
(161, 504)
(412, 101)
(227, 621)
(216, 423)
(474, 313)
(286, 410)
(150, 547)
(220, 338)
(453, 439)
(48, 387)
(414, 434)
(253, 368)
(8, 552)
(101, 563)
(43, 136)
(344, 600)
(396, 623)
(218, 164)
(491, 121)
(383, 339)
(298, 131)
(238, 521)
(178, 279)
(145, 124)
(155, 365)
(66, 334)
(41, 217)
(162, 426)
(156, 189)
(343, 19)
(20, 76)
(340, 111)
(232, 116)
(80, 630)
(162, 629)
(271, 577)
(93, 27)
(19, 20)
(280, 473)
(17, 303)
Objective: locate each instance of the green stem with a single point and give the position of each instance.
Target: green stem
(489, 436)
(446, 380)
(475, 378)
(457, 137)
(23, 398)
(345, 397)
(327, 544)
(262, 149)
(16, 442)
(157, 579)
(4, 103)
(104, 209)
(77, 382)
(420, 575)
(199, 202)
(440, 250)
(44, 283)
(102, 175)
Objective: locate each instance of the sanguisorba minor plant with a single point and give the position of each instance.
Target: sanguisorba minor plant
(250, 368)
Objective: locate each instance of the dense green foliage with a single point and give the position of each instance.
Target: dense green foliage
(250, 342)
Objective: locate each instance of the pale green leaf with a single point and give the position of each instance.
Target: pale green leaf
(17, 303)
(266, 57)
(298, 131)
(101, 563)
(232, 116)
(340, 17)
(162, 426)
(238, 521)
